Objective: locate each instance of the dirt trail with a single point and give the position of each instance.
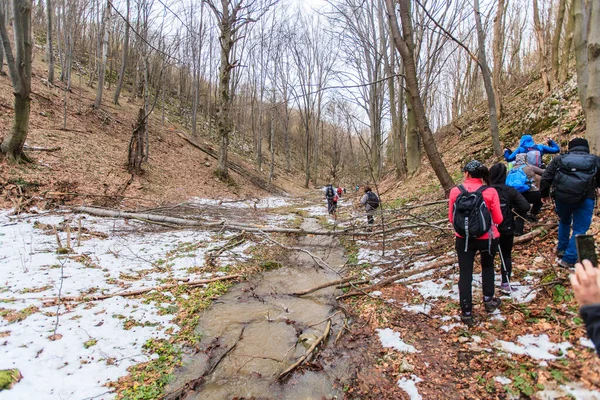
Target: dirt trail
(257, 330)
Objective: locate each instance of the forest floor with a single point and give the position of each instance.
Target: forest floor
(402, 340)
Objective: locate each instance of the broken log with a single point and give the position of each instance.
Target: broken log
(535, 233)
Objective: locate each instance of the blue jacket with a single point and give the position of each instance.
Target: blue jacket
(527, 144)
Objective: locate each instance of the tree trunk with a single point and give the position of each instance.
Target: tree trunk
(592, 102)
(405, 45)
(102, 66)
(580, 39)
(49, 50)
(12, 146)
(542, 50)
(560, 16)
(272, 144)
(123, 58)
(566, 52)
(498, 50)
(223, 119)
(487, 82)
(19, 67)
(413, 148)
(2, 73)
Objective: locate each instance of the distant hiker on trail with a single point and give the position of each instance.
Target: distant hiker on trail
(572, 180)
(586, 287)
(332, 198)
(526, 179)
(371, 202)
(533, 151)
(510, 200)
(474, 211)
(339, 191)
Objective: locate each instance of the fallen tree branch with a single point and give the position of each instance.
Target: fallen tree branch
(308, 352)
(323, 286)
(240, 227)
(534, 233)
(47, 149)
(318, 260)
(436, 264)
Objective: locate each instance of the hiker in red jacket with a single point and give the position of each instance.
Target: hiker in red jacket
(476, 178)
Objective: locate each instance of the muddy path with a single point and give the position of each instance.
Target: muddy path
(257, 330)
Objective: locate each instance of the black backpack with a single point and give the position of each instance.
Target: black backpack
(329, 193)
(471, 217)
(575, 177)
(372, 200)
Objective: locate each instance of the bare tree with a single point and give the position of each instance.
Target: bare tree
(19, 67)
(487, 81)
(49, 50)
(560, 16)
(498, 51)
(232, 16)
(102, 65)
(592, 99)
(542, 49)
(405, 45)
(123, 57)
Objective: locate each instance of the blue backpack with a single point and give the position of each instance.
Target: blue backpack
(518, 179)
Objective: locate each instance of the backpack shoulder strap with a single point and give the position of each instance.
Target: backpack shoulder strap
(462, 189)
(482, 189)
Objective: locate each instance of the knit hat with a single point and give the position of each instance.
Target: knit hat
(520, 159)
(472, 165)
(579, 142)
(498, 174)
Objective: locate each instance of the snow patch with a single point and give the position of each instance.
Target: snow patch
(538, 347)
(410, 386)
(391, 339)
(503, 380)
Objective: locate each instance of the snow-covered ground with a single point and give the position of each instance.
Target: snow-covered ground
(96, 340)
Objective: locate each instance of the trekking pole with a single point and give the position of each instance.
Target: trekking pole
(503, 266)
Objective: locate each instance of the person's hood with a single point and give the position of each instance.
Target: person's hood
(580, 149)
(526, 141)
(520, 159)
(498, 174)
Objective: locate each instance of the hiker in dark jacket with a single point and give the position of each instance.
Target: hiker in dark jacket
(527, 144)
(475, 176)
(510, 200)
(371, 202)
(586, 287)
(573, 178)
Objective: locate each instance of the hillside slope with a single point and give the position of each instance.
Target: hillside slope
(526, 111)
(92, 158)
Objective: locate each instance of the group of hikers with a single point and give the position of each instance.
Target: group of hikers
(490, 207)
(369, 200)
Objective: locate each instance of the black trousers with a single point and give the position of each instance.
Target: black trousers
(506, 244)
(466, 260)
(535, 199)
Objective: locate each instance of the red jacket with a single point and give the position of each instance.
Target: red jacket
(490, 196)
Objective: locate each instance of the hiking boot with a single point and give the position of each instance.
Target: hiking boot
(566, 265)
(560, 253)
(507, 289)
(492, 305)
(468, 320)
